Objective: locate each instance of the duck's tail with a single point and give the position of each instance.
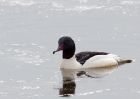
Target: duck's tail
(124, 61)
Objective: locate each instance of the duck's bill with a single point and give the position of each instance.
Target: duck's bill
(58, 49)
(55, 51)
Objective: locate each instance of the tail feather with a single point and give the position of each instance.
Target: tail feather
(121, 62)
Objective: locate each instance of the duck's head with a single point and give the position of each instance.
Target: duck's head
(67, 45)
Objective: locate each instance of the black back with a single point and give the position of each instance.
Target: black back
(83, 56)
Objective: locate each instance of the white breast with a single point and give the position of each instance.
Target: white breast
(101, 61)
(70, 64)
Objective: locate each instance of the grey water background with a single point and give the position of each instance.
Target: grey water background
(29, 30)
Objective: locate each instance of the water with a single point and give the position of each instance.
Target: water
(29, 30)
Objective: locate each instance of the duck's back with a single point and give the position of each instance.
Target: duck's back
(96, 59)
(82, 57)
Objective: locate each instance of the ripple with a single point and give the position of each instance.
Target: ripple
(28, 53)
(99, 91)
(130, 2)
(17, 2)
(30, 95)
(20, 81)
(2, 81)
(138, 92)
(30, 87)
(83, 1)
(108, 89)
(130, 78)
(84, 8)
(3, 93)
(122, 7)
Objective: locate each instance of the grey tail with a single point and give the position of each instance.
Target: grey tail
(121, 62)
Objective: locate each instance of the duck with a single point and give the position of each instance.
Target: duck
(86, 59)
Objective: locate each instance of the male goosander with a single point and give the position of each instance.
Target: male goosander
(84, 60)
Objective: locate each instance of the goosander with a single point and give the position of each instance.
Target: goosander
(87, 59)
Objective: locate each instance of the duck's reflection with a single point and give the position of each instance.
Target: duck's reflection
(69, 75)
(68, 88)
(69, 84)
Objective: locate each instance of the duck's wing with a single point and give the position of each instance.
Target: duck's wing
(82, 57)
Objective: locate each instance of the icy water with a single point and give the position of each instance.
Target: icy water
(29, 30)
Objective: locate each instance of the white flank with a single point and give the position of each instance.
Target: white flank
(102, 61)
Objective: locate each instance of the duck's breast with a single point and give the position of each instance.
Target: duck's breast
(70, 64)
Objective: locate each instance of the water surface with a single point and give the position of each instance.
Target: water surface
(29, 30)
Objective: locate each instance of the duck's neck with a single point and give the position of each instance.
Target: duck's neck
(69, 53)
